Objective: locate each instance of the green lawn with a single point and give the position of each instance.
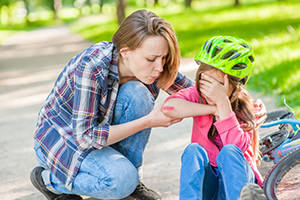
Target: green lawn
(272, 27)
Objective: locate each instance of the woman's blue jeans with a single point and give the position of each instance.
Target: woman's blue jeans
(112, 172)
(199, 180)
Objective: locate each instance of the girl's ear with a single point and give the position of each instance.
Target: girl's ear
(124, 52)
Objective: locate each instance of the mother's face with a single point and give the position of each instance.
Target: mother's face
(147, 61)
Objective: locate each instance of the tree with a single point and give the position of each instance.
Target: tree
(121, 11)
(236, 3)
(101, 3)
(188, 3)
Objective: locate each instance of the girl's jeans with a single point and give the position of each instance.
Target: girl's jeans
(199, 180)
(112, 172)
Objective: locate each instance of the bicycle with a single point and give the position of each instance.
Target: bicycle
(282, 146)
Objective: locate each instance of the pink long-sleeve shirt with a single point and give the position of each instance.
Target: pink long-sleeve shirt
(229, 133)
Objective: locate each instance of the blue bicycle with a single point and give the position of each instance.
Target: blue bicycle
(282, 146)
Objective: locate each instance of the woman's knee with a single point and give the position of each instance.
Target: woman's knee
(115, 185)
(137, 92)
(134, 99)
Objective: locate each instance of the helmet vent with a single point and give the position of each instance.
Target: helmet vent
(244, 45)
(209, 47)
(227, 41)
(216, 51)
(205, 44)
(239, 66)
(228, 54)
(235, 56)
(251, 59)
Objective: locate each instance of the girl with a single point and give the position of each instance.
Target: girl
(224, 151)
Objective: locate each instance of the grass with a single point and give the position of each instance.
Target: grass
(271, 26)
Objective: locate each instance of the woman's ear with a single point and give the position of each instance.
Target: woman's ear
(124, 52)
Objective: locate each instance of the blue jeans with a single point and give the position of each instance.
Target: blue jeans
(199, 180)
(112, 172)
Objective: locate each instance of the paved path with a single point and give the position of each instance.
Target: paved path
(29, 65)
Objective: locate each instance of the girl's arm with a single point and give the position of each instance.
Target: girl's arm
(181, 108)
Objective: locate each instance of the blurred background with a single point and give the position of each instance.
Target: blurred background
(39, 37)
(271, 26)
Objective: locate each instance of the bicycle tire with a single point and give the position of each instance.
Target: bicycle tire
(281, 114)
(276, 177)
(279, 134)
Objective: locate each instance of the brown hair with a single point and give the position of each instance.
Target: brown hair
(139, 26)
(241, 103)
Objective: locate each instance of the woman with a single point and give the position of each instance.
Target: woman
(95, 124)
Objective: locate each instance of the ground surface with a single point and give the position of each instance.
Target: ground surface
(29, 65)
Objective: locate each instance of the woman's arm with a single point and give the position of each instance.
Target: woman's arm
(154, 119)
(181, 108)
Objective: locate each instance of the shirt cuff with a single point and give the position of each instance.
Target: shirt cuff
(227, 124)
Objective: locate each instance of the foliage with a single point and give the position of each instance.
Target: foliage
(272, 27)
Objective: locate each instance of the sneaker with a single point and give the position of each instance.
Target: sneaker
(252, 191)
(143, 193)
(38, 183)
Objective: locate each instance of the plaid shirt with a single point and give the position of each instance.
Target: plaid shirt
(76, 115)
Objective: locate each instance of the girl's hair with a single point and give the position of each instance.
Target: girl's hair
(140, 25)
(241, 103)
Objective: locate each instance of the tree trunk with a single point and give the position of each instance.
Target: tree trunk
(188, 3)
(27, 10)
(57, 4)
(101, 5)
(121, 11)
(155, 2)
(236, 3)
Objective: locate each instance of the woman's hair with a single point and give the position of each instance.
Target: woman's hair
(241, 103)
(140, 25)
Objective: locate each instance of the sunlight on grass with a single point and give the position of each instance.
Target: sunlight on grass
(273, 28)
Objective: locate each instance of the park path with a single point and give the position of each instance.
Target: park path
(29, 65)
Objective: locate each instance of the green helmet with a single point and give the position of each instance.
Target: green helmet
(231, 55)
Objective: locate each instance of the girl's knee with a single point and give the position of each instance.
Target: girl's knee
(195, 150)
(228, 151)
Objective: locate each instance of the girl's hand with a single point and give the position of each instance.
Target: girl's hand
(158, 119)
(216, 91)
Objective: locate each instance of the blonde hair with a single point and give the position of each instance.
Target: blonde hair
(241, 103)
(140, 25)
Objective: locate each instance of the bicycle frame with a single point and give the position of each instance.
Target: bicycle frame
(287, 146)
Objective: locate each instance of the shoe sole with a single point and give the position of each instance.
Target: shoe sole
(36, 172)
(252, 191)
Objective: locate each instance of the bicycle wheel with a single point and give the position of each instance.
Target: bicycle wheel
(274, 136)
(283, 180)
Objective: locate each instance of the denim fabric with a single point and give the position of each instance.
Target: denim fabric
(111, 173)
(199, 180)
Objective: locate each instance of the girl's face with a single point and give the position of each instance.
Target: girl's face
(146, 62)
(219, 77)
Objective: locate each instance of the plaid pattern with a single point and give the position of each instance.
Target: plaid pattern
(76, 115)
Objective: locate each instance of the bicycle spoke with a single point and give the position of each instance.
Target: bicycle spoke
(289, 186)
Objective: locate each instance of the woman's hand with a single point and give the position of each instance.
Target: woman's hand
(260, 113)
(158, 119)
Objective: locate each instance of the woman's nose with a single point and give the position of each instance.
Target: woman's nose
(160, 65)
